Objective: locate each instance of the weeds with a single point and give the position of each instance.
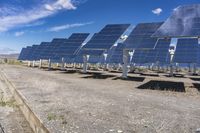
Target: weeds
(9, 103)
(51, 117)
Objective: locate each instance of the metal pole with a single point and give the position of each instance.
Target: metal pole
(125, 63)
(194, 69)
(171, 66)
(40, 66)
(189, 65)
(63, 64)
(34, 63)
(149, 67)
(49, 65)
(85, 65)
(171, 52)
(29, 63)
(105, 63)
(158, 67)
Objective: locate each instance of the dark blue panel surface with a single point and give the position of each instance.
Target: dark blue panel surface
(139, 56)
(140, 37)
(186, 51)
(116, 54)
(161, 52)
(69, 48)
(107, 37)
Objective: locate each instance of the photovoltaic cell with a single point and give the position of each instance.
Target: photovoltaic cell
(22, 53)
(69, 49)
(184, 22)
(116, 54)
(186, 51)
(161, 52)
(95, 59)
(107, 37)
(139, 56)
(26, 53)
(43, 51)
(31, 55)
(158, 55)
(140, 37)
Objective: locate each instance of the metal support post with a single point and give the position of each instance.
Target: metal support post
(125, 63)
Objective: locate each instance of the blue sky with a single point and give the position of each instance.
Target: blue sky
(27, 22)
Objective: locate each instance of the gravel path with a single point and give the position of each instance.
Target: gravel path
(11, 118)
(78, 104)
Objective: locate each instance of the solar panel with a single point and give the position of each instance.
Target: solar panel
(186, 51)
(115, 55)
(107, 37)
(69, 48)
(40, 52)
(139, 56)
(34, 54)
(161, 52)
(22, 53)
(31, 55)
(26, 53)
(95, 56)
(95, 59)
(140, 37)
(78, 59)
(49, 50)
(184, 21)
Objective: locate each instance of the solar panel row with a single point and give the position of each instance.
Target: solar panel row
(146, 48)
(140, 37)
(56, 50)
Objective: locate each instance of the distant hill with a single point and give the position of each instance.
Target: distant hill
(9, 56)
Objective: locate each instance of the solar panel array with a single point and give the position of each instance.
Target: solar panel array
(25, 52)
(161, 52)
(148, 40)
(187, 51)
(39, 53)
(69, 48)
(105, 39)
(140, 37)
(49, 52)
(101, 42)
(56, 50)
(158, 55)
(184, 22)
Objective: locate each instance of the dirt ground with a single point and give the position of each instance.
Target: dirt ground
(11, 118)
(92, 103)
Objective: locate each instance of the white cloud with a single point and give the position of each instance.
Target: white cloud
(60, 4)
(68, 26)
(9, 20)
(20, 33)
(157, 11)
(37, 23)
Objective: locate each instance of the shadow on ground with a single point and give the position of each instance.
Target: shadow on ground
(129, 78)
(197, 86)
(96, 75)
(164, 86)
(195, 79)
(150, 74)
(176, 75)
(68, 71)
